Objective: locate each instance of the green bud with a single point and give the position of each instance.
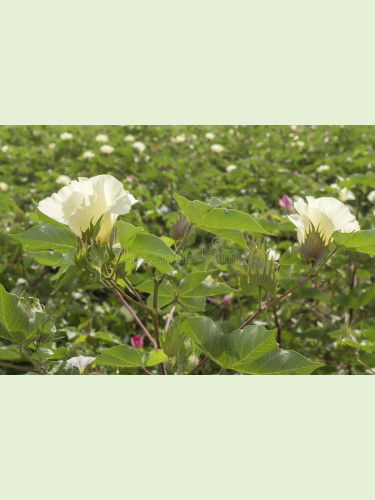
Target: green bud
(258, 271)
(314, 248)
(179, 229)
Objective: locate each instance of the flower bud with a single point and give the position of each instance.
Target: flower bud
(259, 271)
(314, 249)
(179, 229)
(136, 341)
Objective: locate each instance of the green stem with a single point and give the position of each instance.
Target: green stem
(156, 318)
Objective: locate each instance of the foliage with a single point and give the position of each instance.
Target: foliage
(173, 268)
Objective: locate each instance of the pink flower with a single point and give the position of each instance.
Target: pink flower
(286, 203)
(136, 341)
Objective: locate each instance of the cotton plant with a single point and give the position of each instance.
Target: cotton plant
(87, 223)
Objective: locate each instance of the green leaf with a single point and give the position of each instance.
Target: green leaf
(155, 358)
(361, 241)
(222, 218)
(252, 350)
(10, 353)
(194, 304)
(122, 356)
(69, 273)
(212, 219)
(126, 232)
(195, 286)
(153, 250)
(22, 323)
(229, 234)
(46, 237)
(194, 210)
(47, 258)
(166, 293)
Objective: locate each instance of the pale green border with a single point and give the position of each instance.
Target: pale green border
(207, 62)
(187, 437)
(196, 62)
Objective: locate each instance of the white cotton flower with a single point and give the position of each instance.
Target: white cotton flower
(217, 148)
(101, 138)
(371, 196)
(5, 149)
(139, 146)
(87, 155)
(324, 215)
(107, 149)
(129, 138)
(84, 201)
(52, 145)
(4, 186)
(66, 136)
(230, 168)
(273, 255)
(323, 168)
(210, 136)
(81, 362)
(64, 180)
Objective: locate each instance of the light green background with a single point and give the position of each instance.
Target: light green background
(202, 61)
(198, 61)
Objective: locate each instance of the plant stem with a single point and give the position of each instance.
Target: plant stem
(16, 367)
(198, 366)
(280, 297)
(156, 319)
(170, 316)
(30, 359)
(260, 298)
(126, 296)
(131, 288)
(364, 364)
(135, 317)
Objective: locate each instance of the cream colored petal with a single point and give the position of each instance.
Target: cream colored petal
(320, 221)
(300, 206)
(62, 204)
(298, 222)
(108, 221)
(342, 219)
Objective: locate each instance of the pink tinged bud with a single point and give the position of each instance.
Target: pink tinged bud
(136, 341)
(227, 301)
(327, 132)
(286, 203)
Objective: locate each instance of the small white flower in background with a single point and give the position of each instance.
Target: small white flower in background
(107, 149)
(344, 194)
(129, 138)
(84, 201)
(162, 210)
(295, 128)
(273, 255)
(66, 136)
(64, 180)
(88, 154)
(210, 136)
(5, 149)
(324, 215)
(323, 168)
(3, 186)
(371, 196)
(139, 146)
(180, 138)
(52, 145)
(230, 168)
(81, 362)
(101, 138)
(217, 148)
